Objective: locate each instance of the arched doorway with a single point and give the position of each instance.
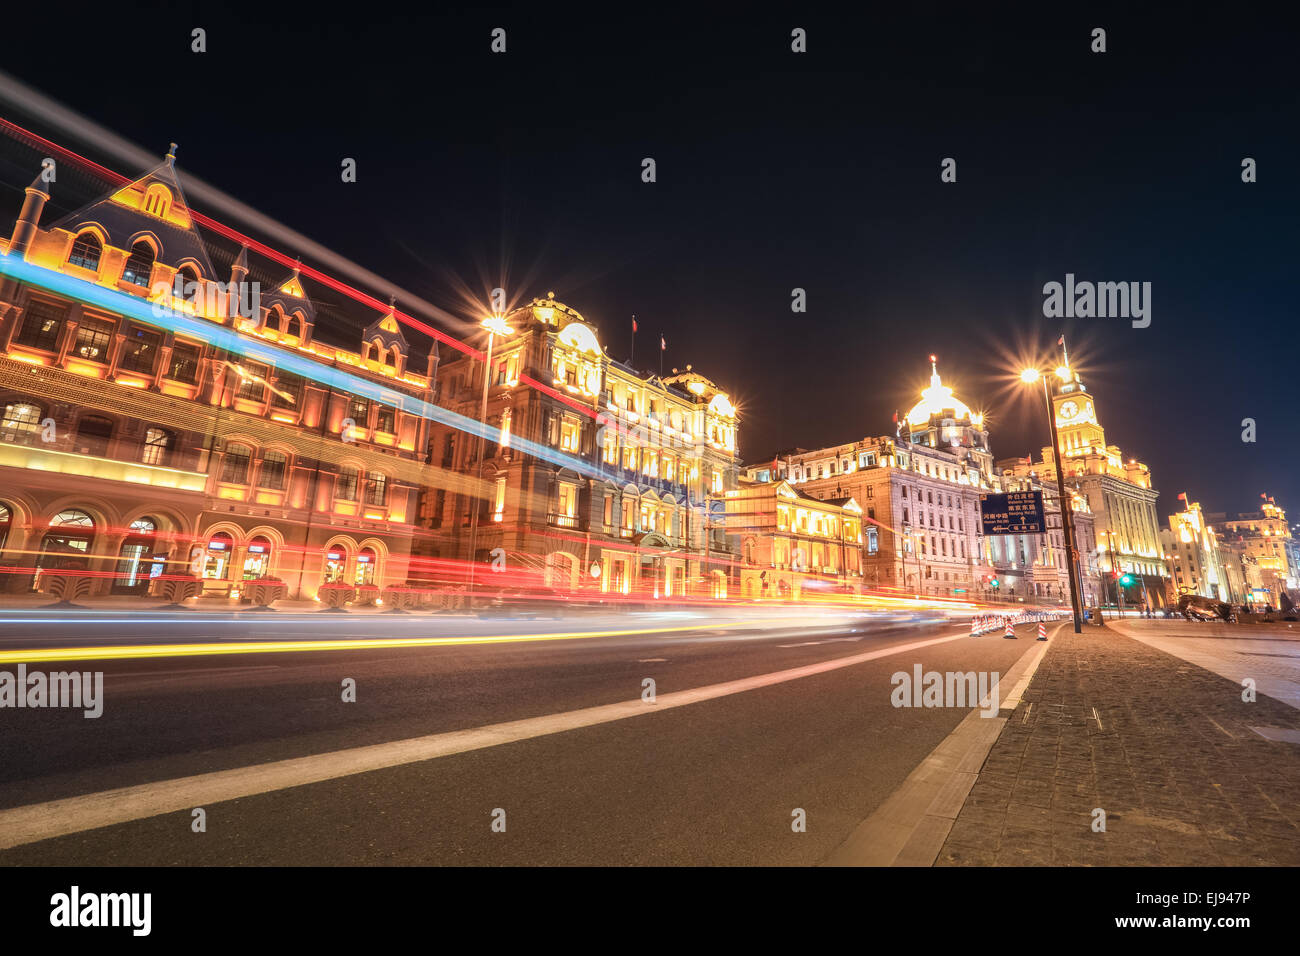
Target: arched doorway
(336, 566)
(66, 546)
(257, 562)
(220, 551)
(6, 522)
(561, 571)
(137, 560)
(367, 567)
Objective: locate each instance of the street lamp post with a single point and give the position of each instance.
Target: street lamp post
(495, 326)
(1067, 522)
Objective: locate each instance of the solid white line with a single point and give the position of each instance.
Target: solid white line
(44, 821)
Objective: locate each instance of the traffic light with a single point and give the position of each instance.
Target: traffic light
(994, 583)
(1127, 580)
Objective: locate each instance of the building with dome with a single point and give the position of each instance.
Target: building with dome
(919, 491)
(594, 478)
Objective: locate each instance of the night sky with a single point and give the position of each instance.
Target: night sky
(777, 171)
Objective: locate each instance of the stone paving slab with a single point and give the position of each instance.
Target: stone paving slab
(1166, 748)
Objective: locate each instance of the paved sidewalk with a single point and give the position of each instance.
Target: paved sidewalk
(1164, 747)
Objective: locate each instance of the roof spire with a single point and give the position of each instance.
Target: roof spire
(171, 155)
(934, 371)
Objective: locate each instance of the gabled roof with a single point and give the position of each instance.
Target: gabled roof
(121, 213)
(387, 329)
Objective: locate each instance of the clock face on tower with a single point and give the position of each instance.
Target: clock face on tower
(1069, 410)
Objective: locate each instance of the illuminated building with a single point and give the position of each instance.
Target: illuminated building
(1118, 491)
(1042, 569)
(131, 451)
(920, 495)
(1193, 556)
(791, 544)
(1265, 537)
(629, 498)
(919, 492)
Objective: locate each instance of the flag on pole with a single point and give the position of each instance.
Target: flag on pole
(1061, 340)
(662, 344)
(634, 325)
(1182, 496)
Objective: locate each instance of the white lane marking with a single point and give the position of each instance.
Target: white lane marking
(44, 821)
(652, 660)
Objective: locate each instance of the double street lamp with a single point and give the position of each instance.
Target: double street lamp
(495, 325)
(1029, 376)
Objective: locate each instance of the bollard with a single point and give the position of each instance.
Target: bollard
(1042, 631)
(1011, 630)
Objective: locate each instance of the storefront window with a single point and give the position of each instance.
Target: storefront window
(336, 563)
(217, 561)
(257, 562)
(365, 573)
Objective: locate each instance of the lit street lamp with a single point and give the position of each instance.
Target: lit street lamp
(495, 326)
(1029, 376)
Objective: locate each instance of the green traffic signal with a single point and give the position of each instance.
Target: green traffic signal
(1126, 580)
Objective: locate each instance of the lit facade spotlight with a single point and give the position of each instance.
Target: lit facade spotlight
(1029, 376)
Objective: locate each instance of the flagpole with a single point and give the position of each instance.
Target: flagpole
(662, 347)
(632, 361)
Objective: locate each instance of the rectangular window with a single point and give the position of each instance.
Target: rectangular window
(234, 469)
(252, 382)
(287, 391)
(669, 468)
(568, 500)
(42, 326)
(346, 488)
(140, 350)
(94, 338)
(376, 488)
(184, 366)
(609, 511)
(359, 412)
(610, 456)
(715, 485)
(272, 471)
(499, 500)
(385, 420)
(570, 432)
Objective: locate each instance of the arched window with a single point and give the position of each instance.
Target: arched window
(139, 264)
(274, 465)
(157, 446)
(234, 468)
(86, 251)
(292, 325)
(190, 289)
(158, 200)
(390, 357)
(137, 563)
(66, 546)
(93, 435)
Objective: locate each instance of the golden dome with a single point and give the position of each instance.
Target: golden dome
(937, 400)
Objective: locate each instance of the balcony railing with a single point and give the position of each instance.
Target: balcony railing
(562, 521)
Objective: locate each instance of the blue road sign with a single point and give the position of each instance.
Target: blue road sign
(1015, 512)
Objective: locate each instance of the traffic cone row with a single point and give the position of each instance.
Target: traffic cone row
(987, 623)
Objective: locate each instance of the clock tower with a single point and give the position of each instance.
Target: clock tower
(1076, 415)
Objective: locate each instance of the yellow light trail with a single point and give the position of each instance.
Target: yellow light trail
(138, 651)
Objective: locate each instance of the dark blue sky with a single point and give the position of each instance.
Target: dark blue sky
(776, 171)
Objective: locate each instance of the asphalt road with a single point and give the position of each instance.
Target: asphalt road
(709, 782)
